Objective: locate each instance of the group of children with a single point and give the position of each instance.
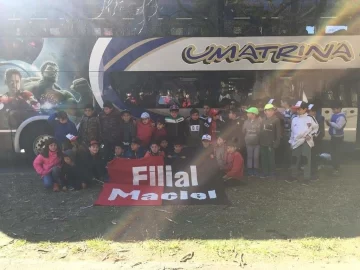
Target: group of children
(257, 134)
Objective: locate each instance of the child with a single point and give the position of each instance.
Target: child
(216, 124)
(135, 151)
(154, 151)
(303, 127)
(178, 151)
(160, 131)
(285, 147)
(119, 150)
(270, 135)
(251, 129)
(175, 125)
(145, 129)
(206, 110)
(316, 150)
(164, 145)
(91, 164)
(110, 122)
(62, 126)
(220, 152)
(196, 129)
(71, 172)
(336, 126)
(234, 162)
(127, 128)
(89, 129)
(47, 165)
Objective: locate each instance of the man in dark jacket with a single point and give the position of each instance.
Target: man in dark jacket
(89, 129)
(110, 122)
(62, 126)
(196, 129)
(175, 126)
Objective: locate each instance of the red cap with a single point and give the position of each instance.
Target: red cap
(94, 142)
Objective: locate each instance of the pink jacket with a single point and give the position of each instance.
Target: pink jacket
(43, 165)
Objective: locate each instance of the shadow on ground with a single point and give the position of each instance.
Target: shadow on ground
(262, 209)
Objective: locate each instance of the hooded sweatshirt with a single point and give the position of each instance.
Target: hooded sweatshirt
(44, 165)
(301, 127)
(251, 129)
(61, 130)
(176, 128)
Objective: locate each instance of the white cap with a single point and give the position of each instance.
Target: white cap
(271, 101)
(145, 115)
(206, 137)
(311, 106)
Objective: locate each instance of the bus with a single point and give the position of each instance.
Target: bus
(149, 72)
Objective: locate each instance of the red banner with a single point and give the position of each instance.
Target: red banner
(149, 182)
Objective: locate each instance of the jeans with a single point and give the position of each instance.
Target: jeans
(253, 155)
(303, 151)
(267, 154)
(52, 177)
(336, 144)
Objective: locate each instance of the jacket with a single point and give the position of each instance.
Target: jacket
(61, 130)
(195, 130)
(234, 129)
(43, 165)
(301, 127)
(288, 116)
(251, 130)
(90, 166)
(337, 125)
(144, 132)
(110, 126)
(234, 165)
(270, 132)
(128, 131)
(159, 134)
(135, 155)
(176, 128)
(151, 154)
(318, 136)
(89, 129)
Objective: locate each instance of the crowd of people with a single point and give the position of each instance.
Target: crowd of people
(266, 137)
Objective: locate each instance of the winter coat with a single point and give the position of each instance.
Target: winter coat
(176, 129)
(61, 130)
(150, 154)
(128, 131)
(91, 166)
(159, 134)
(145, 132)
(270, 132)
(196, 129)
(251, 130)
(110, 126)
(43, 165)
(234, 165)
(135, 155)
(89, 129)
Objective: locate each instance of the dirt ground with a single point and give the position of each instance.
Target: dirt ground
(268, 221)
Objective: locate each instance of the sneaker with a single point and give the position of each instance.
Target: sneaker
(56, 187)
(83, 186)
(70, 188)
(250, 172)
(263, 176)
(314, 179)
(291, 180)
(64, 188)
(336, 173)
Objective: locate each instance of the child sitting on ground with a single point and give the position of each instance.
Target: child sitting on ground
(154, 151)
(234, 162)
(135, 151)
(220, 152)
(71, 174)
(119, 150)
(48, 165)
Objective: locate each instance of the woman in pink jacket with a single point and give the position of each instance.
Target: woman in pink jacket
(48, 165)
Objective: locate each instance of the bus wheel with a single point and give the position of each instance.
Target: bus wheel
(34, 138)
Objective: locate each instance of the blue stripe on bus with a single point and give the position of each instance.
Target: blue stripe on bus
(125, 61)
